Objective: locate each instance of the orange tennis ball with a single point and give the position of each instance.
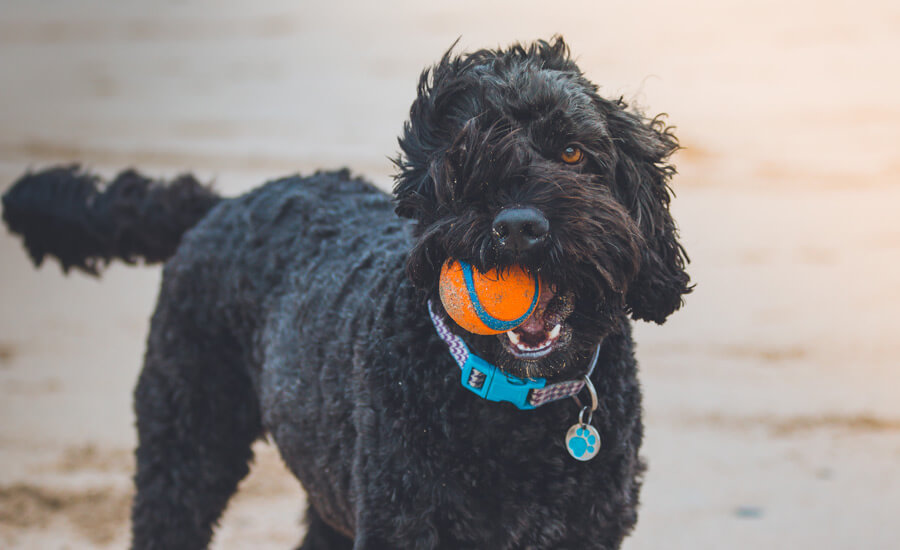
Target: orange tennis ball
(488, 303)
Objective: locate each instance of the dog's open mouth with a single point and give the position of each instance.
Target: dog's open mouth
(544, 331)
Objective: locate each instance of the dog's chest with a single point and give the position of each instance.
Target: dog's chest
(378, 429)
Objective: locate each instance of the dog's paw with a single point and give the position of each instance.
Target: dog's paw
(582, 444)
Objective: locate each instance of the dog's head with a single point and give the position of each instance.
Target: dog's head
(511, 157)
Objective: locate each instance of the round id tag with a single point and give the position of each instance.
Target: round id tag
(582, 442)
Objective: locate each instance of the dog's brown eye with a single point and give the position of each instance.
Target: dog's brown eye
(571, 155)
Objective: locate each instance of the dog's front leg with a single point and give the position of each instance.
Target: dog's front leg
(388, 526)
(389, 515)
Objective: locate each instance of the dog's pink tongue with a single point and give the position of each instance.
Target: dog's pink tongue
(535, 322)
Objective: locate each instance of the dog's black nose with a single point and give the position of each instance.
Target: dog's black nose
(520, 229)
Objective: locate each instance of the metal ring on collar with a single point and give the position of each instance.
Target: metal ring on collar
(590, 414)
(590, 388)
(587, 380)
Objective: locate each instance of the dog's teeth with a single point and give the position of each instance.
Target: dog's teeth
(513, 337)
(555, 332)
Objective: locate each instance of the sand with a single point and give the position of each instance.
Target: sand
(772, 410)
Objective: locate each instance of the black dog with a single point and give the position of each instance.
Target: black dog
(301, 311)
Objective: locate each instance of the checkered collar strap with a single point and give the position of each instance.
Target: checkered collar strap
(489, 382)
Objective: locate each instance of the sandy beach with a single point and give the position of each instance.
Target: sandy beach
(772, 399)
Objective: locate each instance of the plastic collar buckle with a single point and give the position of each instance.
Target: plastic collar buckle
(498, 385)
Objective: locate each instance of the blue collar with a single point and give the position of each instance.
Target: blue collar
(489, 382)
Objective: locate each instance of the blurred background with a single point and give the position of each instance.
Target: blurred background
(772, 410)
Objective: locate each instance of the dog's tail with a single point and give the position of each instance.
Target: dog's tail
(71, 214)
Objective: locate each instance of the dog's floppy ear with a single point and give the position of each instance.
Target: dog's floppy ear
(414, 186)
(425, 134)
(642, 174)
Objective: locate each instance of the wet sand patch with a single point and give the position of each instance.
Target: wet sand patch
(793, 425)
(96, 513)
(50, 151)
(34, 387)
(764, 354)
(90, 458)
(8, 352)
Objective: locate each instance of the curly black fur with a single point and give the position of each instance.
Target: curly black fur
(297, 311)
(70, 214)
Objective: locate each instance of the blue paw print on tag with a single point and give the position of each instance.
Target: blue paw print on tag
(582, 442)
